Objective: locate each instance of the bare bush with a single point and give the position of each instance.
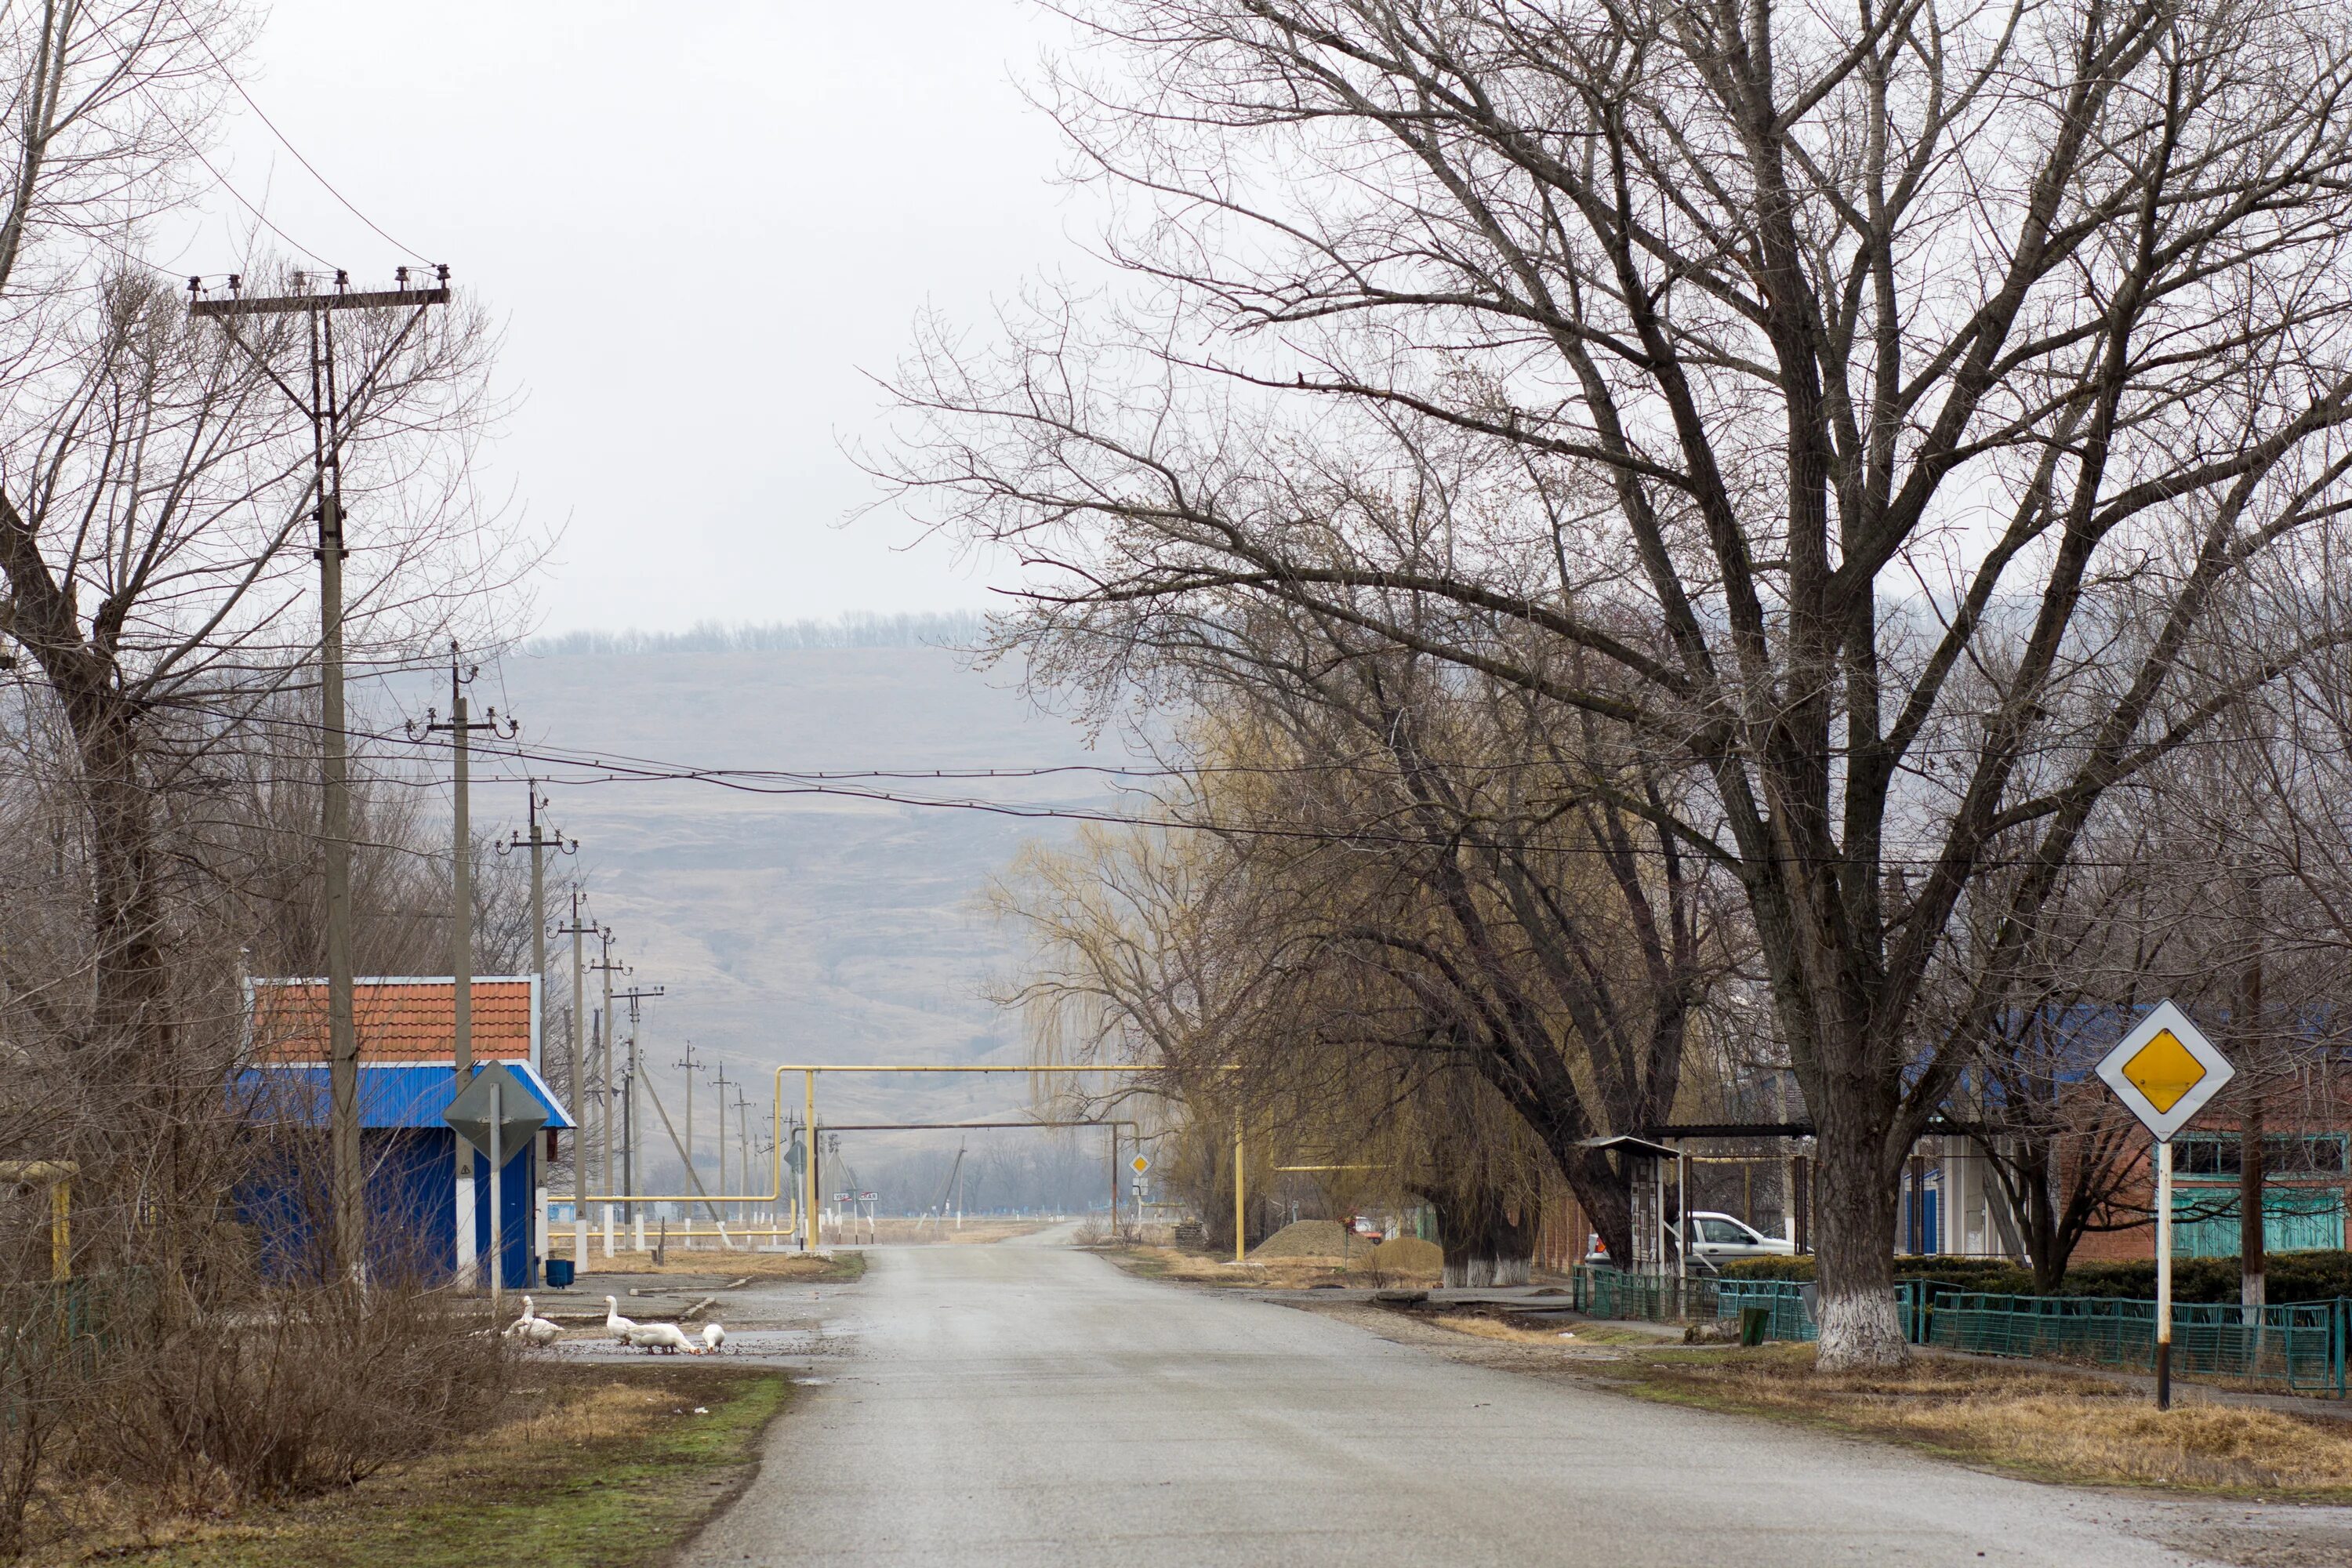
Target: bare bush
(295, 1390)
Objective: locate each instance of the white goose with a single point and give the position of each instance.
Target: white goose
(652, 1337)
(532, 1328)
(713, 1336)
(615, 1324)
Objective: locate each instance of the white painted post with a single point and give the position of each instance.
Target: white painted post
(2163, 1274)
(497, 1190)
(467, 1271)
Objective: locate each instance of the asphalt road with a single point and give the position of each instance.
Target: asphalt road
(1031, 1405)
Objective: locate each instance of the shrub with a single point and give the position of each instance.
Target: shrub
(296, 1392)
(2292, 1275)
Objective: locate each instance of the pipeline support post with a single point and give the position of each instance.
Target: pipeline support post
(1240, 1202)
(809, 1238)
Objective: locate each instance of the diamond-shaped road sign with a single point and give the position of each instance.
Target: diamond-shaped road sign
(1141, 1164)
(520, 1113)
(2166, 1069)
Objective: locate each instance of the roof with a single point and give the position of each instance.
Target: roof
(1625, 1143)
(391, 1097)
(398, 1020)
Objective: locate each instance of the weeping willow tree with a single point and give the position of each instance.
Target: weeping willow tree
(1384, 913)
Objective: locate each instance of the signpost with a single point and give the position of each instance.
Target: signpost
(2164, 1070)
(1139, 1164)
(494, 1114)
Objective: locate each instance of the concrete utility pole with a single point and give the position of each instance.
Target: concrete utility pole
(629, 1152)
(577, 1089)
(719, 1084)
(459, 729)
(686, 1152)
(744, 1149)
(610, 1084)
(538, 844)
(324, 407)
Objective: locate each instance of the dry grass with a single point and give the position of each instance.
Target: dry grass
(586, 1465)
(1501, 1330)
(1269, 1274)
(1409, 1254)
(1495, 1329)
(975, 1232)
(2048, 1425)
(1281, 1273)
(819, 1266)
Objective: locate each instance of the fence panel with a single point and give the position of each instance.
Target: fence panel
(1644, 1298)
(2297, 1346)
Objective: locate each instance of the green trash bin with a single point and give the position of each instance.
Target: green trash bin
(1754, 1322)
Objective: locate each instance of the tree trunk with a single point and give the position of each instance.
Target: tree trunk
(1853, 1244)
(1484, 1240)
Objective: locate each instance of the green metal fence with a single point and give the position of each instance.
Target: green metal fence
(1644, 1298)
(2299, 1347)
(1783, 1298)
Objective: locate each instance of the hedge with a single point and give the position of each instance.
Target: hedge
(2292, 1275)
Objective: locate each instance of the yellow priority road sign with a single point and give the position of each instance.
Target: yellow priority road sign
(2164, 1070)
(1141, 1164)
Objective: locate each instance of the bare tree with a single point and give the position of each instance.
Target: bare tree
(1895, 404)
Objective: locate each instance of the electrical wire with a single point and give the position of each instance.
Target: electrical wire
(285, 141)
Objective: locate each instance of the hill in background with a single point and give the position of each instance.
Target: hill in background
(796, 927)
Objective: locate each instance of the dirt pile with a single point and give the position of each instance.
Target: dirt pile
(1311, 1238)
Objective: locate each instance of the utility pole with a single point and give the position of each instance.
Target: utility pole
(688, 1151)
(459, 729)
(605, 965)
(324, 408)
(629, 1165)
(538, 844)
(744, 1149)
(578, 1087)
(718, 1083)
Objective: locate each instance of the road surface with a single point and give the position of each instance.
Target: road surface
(1033, 1405)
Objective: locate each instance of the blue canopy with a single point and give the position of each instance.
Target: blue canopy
(407, 1096)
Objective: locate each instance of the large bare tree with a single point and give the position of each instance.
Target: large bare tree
(1898, 404)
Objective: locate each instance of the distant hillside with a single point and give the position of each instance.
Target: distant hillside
(799, 927)
(951, 630)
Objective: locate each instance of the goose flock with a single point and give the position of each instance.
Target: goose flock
(666, 1338)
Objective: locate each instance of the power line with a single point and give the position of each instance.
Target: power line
(285, 141)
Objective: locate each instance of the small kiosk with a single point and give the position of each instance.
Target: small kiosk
(1644, 1163)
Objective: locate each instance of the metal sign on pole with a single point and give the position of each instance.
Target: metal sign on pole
(2164, 1071)
(1139, 1164)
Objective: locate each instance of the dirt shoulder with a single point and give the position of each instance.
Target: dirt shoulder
(1293, 1273)
(2247, 1484)
(589, 1466)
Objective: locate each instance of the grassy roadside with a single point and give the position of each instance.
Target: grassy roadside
(1258, 1274)
(820, 1268)
(2041, 1424)
(588, 1467)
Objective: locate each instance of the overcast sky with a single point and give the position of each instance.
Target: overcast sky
(701, 226)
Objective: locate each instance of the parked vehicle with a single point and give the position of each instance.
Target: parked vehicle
(1723, 1240)
(1720, 1239)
